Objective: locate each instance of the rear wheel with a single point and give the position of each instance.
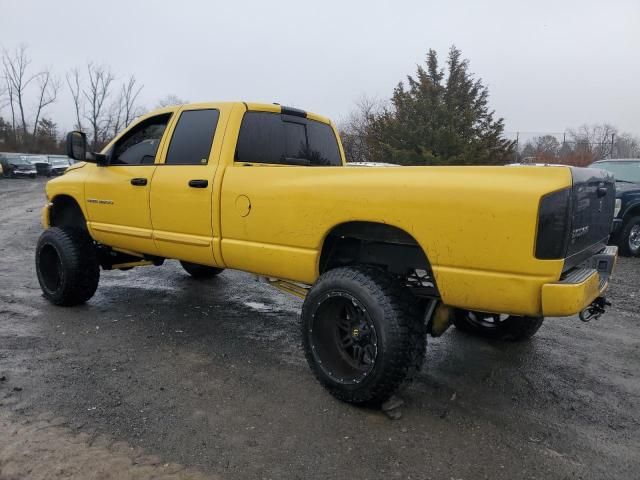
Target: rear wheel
(363, 334)
(201, 271)
(503, 327)
(629, 238)
(67, 266)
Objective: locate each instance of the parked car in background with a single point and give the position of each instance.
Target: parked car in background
(41, 162)
(626, 223)
(58, 164)
(15, 165)
(50, 165)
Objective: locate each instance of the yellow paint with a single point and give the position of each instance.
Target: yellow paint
(477, 225)
(243, 205)
(561, 299)
(45, 216)
(182, 216)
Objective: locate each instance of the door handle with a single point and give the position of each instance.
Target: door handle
(138, 182)
(198, 183)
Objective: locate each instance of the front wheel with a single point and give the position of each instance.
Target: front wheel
(629, 238)
(362, 333)
(67, 266)
(502, 327)
(201, 271)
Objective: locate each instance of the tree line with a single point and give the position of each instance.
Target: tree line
(102, 104)
(581, 146)
(440, 115)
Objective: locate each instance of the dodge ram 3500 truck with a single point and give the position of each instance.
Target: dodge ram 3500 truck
(381, 256)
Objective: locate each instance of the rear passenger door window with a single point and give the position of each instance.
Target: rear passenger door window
(192, 138)
(275, 138)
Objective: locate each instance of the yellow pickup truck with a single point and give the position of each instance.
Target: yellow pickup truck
(381, 256)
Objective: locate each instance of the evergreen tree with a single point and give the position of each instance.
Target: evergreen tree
(440, 120)
(47, 136)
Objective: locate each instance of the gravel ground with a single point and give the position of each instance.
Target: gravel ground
(161, 376)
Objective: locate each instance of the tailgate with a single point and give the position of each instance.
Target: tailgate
(592, 206)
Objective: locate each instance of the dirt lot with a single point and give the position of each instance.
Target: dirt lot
(160, 376)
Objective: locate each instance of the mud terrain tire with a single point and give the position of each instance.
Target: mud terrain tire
(67, 266)
(512, 328)
(382, 319)
(201, 271)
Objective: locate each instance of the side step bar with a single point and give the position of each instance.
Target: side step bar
(298, 289)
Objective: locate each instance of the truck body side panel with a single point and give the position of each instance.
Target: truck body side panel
(476, 225)
(479, 239)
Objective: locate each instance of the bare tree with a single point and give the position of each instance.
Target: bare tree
(355, 130)
(15, 65)
(595, 141)
(96, 94)
(4, 94)
(11, 102)
(125, 109)
(129, 93)
(49, 87)
(115, 121)
(545, 148)
(73, 81)
(170, 100)
(626, 146)
(18, 85)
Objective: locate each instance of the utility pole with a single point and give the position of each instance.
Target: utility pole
(613, 136)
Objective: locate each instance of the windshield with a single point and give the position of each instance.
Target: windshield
(19, 161)
(625, 171)
(58, 162)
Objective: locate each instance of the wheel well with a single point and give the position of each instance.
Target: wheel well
(65, 212)
(632, 212)
(373, 243)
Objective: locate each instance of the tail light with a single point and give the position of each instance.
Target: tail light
(554, 223)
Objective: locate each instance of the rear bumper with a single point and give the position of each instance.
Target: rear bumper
(580, 287)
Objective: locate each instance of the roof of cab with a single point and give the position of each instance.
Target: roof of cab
(250, 106)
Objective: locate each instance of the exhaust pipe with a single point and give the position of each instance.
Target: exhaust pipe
(595, 310)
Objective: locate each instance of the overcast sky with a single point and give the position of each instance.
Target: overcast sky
(549, 65)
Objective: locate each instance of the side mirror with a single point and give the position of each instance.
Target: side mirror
(77, 149)
(77, 146)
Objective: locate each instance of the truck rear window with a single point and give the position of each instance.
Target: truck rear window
(267, 137)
